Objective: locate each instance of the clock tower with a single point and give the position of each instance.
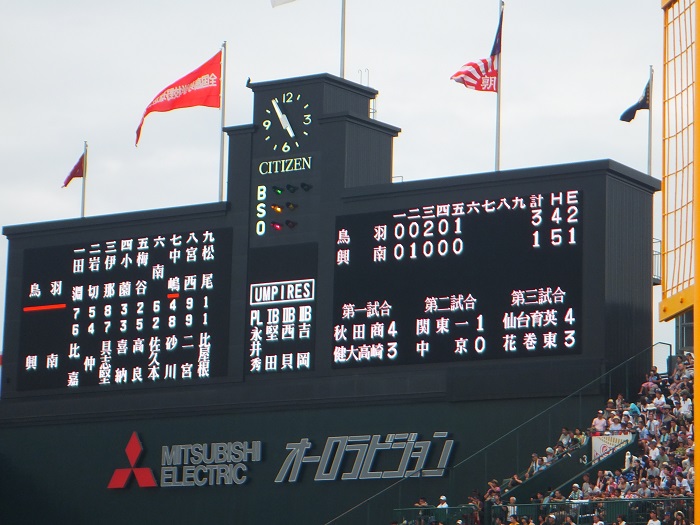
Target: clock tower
(311, 137)
(310, 140)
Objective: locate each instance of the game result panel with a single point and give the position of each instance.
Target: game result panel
(459, 280)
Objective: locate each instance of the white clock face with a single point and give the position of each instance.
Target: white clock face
(286, 122)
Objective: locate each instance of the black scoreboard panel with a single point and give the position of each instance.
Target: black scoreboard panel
(457, 281)
(395, 289)
(126, 311)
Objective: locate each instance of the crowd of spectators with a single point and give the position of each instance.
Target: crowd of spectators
(661, 469)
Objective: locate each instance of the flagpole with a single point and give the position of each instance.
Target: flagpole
(498, 118)
(342, 40)
(223, 114)
(82, 204)
(651, 92)
(498, 99)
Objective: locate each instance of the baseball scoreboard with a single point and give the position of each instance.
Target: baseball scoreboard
(319, 267)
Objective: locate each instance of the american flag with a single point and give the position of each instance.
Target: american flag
(482, 75)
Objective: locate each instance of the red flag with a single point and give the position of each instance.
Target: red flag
(482, 75)
(202, 87)
(77, 172)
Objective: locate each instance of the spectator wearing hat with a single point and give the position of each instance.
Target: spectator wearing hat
(442, 503)
(549, 457)
(679, 518)
(599, 423)
(609, 408)
(667, 416)
(615, 427)
(576, 492)
(493, 491)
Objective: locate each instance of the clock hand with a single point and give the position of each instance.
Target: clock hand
(284, 121)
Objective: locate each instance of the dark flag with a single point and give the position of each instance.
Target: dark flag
(642, 103)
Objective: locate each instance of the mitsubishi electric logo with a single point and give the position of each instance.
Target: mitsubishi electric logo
(144, 476)
(191, 465)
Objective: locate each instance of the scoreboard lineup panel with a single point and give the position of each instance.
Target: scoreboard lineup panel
(123, 311)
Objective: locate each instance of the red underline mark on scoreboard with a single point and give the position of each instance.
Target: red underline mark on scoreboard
(42, 307)
(173, 295)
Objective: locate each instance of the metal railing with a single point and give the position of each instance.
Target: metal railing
(634, 511)
(434, 515)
